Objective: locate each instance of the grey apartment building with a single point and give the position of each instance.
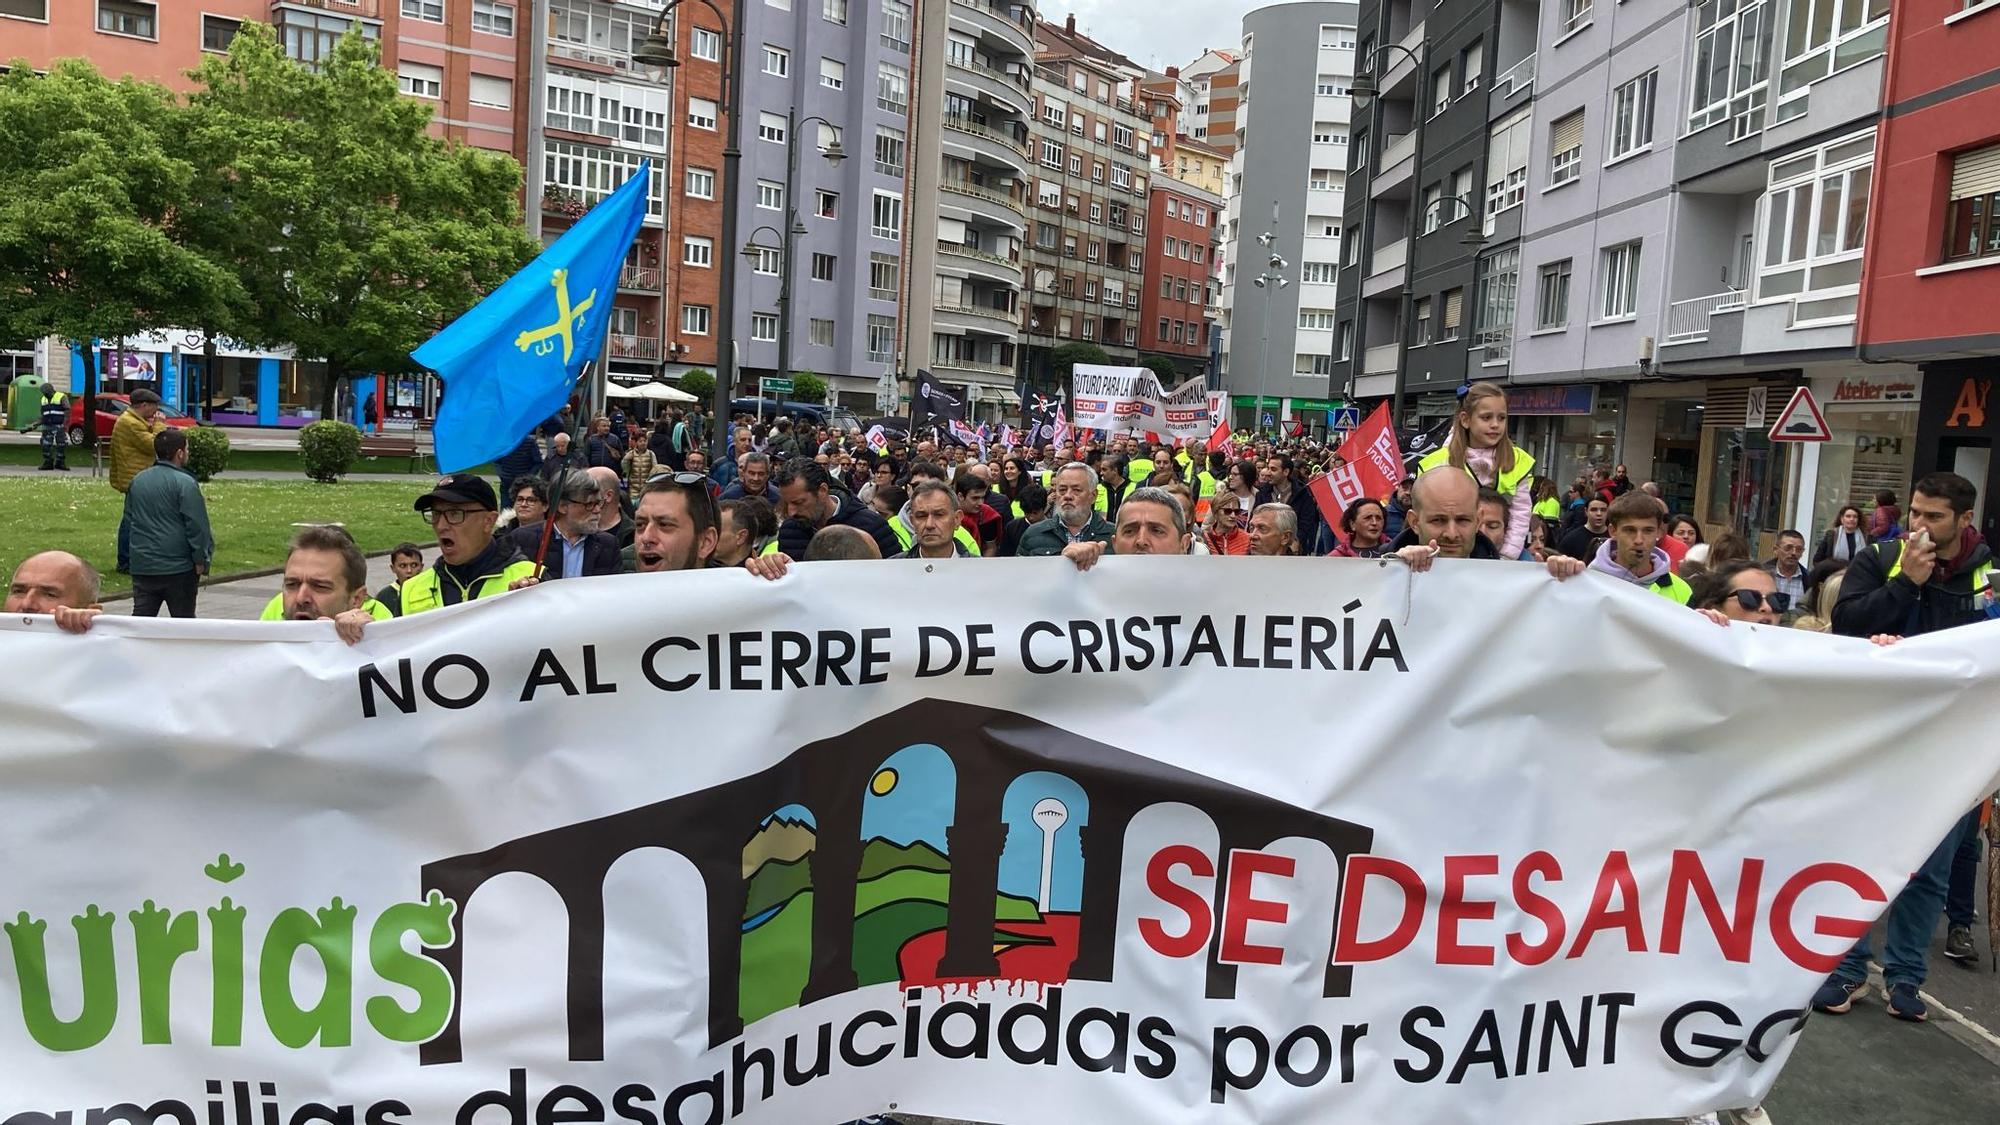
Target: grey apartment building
(820, 72)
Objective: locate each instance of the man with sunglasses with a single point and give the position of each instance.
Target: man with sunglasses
(471, 563)
(576, 548)
(674, 527)
(1939, 576)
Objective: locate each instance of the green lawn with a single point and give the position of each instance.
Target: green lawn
(240, 460)
(252, 519)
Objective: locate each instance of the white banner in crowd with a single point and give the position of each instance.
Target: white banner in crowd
(1130, 400)
(1336, 844)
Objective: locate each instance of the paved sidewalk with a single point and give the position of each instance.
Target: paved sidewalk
(244, 599)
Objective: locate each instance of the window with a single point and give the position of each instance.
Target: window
(1322, 179)
(1813, 218)
(777, 61)
(1328, 85)
(823, 266)
(1453, 314)
(1323, 132)
(1499, 281)
(1121, 177)
(833, 74)
(1317, 273)
(1507, 165)
(826, 204)
(885, 276)
(770, 195)
(1618, 283)
(1201, 216)
(1163, 329)
(1433, 208)
(1552, 296)
(1121, 137)
(697, 251)
(1304, 364)
(881, 338)
(1730, 75)
(1322, 226)
(1054, 112)
(890, 144)
(771, 127)
(1052, 155)
(886, 215)
(834, 11)
(429, 11)
(1632, 115)
(1069, 246)
(592, 173)
(896, 25)
(765, 260)
(498, 93)
(1096, 211)
(419, 79)
(1343, 340)
(1316, 319)
(25, 9)
(700, 183)
(1097, 171)
(216, 32)
(1461, 190)
(1566, 149)
(493, 18)
(1075, 164)
(704, 44)
(1090, 328)
(624, 321)
(701, 114)
(892, 88)
(1575, 13)
(1090, 250)
(1972, 225)
(694, 320)
(1194, 253)
(1471, 65)
(819, 333)
(1422, 323)
(1824, 36)
(763, 326)
(1048, 193)
(635, 115)
(1441, 89)
(128, 17)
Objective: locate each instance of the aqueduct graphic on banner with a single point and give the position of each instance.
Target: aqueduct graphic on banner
(988, 749)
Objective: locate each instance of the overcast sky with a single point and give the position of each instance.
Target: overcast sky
(1156, 33)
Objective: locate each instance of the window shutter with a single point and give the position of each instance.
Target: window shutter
(1566, 134)
(1975, 173)
(1454, 307)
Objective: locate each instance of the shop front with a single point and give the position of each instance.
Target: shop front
(1873, 419)
(1569, 429)
(1268, 413)
(249, 386)
(1958, 425)
(1745, 481)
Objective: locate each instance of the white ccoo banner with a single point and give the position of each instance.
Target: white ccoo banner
(1336, 844)
(1130, 400)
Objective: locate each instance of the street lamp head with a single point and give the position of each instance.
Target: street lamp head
(1473, 239)
(1283, 282)
(1258, 281)
(1277, 262)
(657, 50)
(754, 249)
(1362, 88)
(833, 153)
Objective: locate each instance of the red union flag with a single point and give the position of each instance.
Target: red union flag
(1374, 463)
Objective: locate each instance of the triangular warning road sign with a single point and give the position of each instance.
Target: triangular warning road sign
(1801, 420)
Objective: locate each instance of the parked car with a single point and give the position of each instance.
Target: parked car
(109, 407)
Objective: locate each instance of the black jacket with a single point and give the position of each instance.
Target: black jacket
(1871, 602)
(558, 463)
(1482, 547)
(1303, 504)
(519, 461)
(600, 552)
(794, 535)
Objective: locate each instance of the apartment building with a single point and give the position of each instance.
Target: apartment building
(1930, 292)
(970, 171)
(1177, 288)
(1197, 92)
(1088, 208)
(1287, 192)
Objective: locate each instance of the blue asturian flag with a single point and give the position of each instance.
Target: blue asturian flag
(510, 362)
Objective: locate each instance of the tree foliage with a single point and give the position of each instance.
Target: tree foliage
(808, 387)
(356, 234)
(1063, 360)
(1163, 367)
(698, 383)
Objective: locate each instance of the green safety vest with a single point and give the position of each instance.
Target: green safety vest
(1982, 575)
(274, 610)
(421, 591)
(1548, 509)
(1672, 587)
(1139, 468)
(1510, 481)
(906, 535)
(770, 548)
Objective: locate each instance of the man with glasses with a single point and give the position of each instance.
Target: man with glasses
(471, 563)
(576, 549)
(675, 526)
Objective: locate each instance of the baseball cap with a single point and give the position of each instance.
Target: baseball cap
(460, 488)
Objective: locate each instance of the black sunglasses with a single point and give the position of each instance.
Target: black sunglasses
(1751, 599)
(694, 482)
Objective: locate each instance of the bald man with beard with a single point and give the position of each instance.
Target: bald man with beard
(1444, 522)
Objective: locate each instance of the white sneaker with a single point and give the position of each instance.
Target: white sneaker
(1755, 1115)
(1701, 1119)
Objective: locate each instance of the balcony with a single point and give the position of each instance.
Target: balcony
(585, 52)
(973, 141)
(639, 279)
(998, 86)
(974, 366)
(635, 347)
(973, 318)
(366, 9)
(1400, 64)
(1687, 321)
(1012, 24)
(1379, 360)
(1401, 147)
(1515, 78)
(1385, 269)
(995, 205)
(992, 267)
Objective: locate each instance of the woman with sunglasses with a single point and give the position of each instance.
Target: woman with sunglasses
(1741, 591)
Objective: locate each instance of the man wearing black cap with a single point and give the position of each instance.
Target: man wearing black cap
(471, 562)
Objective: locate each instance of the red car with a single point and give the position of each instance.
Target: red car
(109, 407)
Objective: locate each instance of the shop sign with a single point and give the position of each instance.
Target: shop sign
(1437, 404)
(1575, 398)
(165, 340)
(1968, 407)
(1868, 390)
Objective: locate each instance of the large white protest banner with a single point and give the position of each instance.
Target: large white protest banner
(1336, 844)
(1130, 400)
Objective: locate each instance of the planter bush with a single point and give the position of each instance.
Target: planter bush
(208, 452)
(329, 449)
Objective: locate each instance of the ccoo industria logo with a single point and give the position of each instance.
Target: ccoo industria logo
(940, 844)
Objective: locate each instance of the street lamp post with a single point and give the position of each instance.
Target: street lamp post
(795, 227)
(658, 50)
(1271, 282)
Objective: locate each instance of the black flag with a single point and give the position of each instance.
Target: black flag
(933, 400)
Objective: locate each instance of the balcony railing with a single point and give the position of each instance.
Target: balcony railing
(960, 187)
(1018, 81)
(644, 278)
(1515, 78)
(1016, 14)
(1379, 360)
(961, 251)
(635, 347)
(1687, 321)
(1001, 315)
(961, 125)
(584, 52)
(1400, 147)
(974, 365)
(367, 9)
(1389, 257)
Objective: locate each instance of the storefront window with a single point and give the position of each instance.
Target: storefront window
(1677, 451)
(1746, 486)
(1871, 451)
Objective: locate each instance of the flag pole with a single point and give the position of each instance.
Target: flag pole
(562, 480)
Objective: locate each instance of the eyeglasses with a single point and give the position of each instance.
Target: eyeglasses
(452, 516)
(595, 502)
(1751, 599)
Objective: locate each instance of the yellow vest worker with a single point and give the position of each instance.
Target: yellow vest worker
(906, 536)
(274, 610)
(422, 591)
(1672, 587)
(1139, 468)
(1549, 509)
(1510, 481)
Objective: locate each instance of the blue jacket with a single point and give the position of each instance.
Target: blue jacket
(519, 461)
(170, 533)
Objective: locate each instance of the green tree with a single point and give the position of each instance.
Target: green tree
(1063, 360)
(357, 234)
(698, 383)
(88, 192)
(1163, 367)
(807, 387)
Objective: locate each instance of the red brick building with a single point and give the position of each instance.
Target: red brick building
(1180, 261)
(1930, 290)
